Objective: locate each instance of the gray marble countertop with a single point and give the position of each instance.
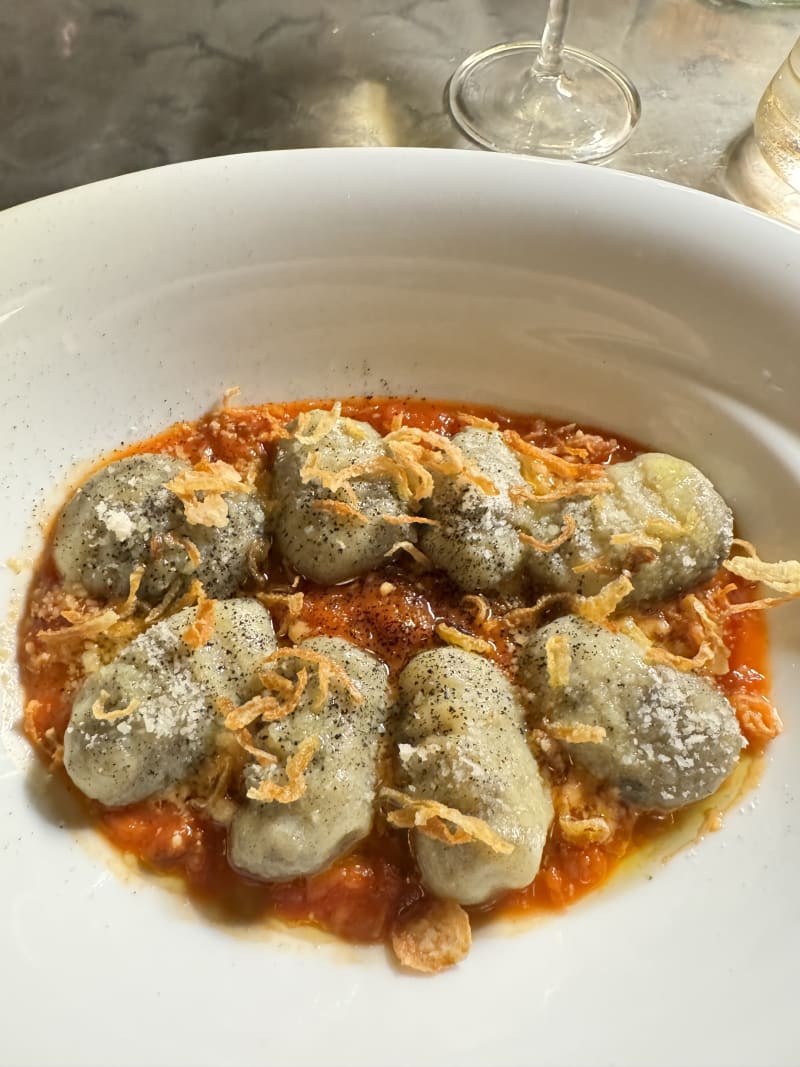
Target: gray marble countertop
(95, 88)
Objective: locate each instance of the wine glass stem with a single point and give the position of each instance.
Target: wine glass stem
(549, 61)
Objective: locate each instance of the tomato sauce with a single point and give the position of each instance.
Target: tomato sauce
(393, 614)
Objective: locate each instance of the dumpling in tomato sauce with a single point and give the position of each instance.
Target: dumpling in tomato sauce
(462, 744)
(326, 531)
(476, 540)
(124, 517)
(665, 738)
(661, 519)
(147, 719)
(277, 838)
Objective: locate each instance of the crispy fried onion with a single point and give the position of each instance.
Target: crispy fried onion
(479, 606)
(99, 712)
(245, 741)
(283, 695)
(712, 652)
(599, 607)
(591, 831)
(570, 441)
(576, 733)
(432, 936)
(172, 602)
(280, 698)
(548, 546)
(199, 632)
(355, 430)
(758, 717)
(116, 624)
(530, 617)
(258, 560)
(268, 791)
(207, 789)
(30, 723)
(228, 396)
(47, 740)
(211, 479)
(634, 539)
(782, 577)
(705, 631)
(536, 458)
(313, 426)
(585, 814)
(637, 556)
(289, 606)
(655, 532)
(407, 520)
(644, 545)
(413, 456)
(475, 420)
(422, 453)
(526, 494)
(192, 551)
(559, 659)
(341, 509)
(432, 818)
(128, 606)
(551, 477)
(82, 627)
(411, 549)
(451, 635)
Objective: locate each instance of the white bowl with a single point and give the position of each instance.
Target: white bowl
(643, 307)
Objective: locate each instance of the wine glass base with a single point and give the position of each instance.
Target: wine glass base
(586, 112)
(750, 179)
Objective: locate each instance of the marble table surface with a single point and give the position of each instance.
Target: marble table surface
(95, 88)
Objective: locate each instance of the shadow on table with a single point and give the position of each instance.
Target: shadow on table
(291, 100)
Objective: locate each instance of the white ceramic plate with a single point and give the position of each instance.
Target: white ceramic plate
(643, 307)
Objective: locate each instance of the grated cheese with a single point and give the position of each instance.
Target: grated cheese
(116, 520)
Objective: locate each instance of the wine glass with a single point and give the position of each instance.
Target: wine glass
(763, 167)
(544, 99)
